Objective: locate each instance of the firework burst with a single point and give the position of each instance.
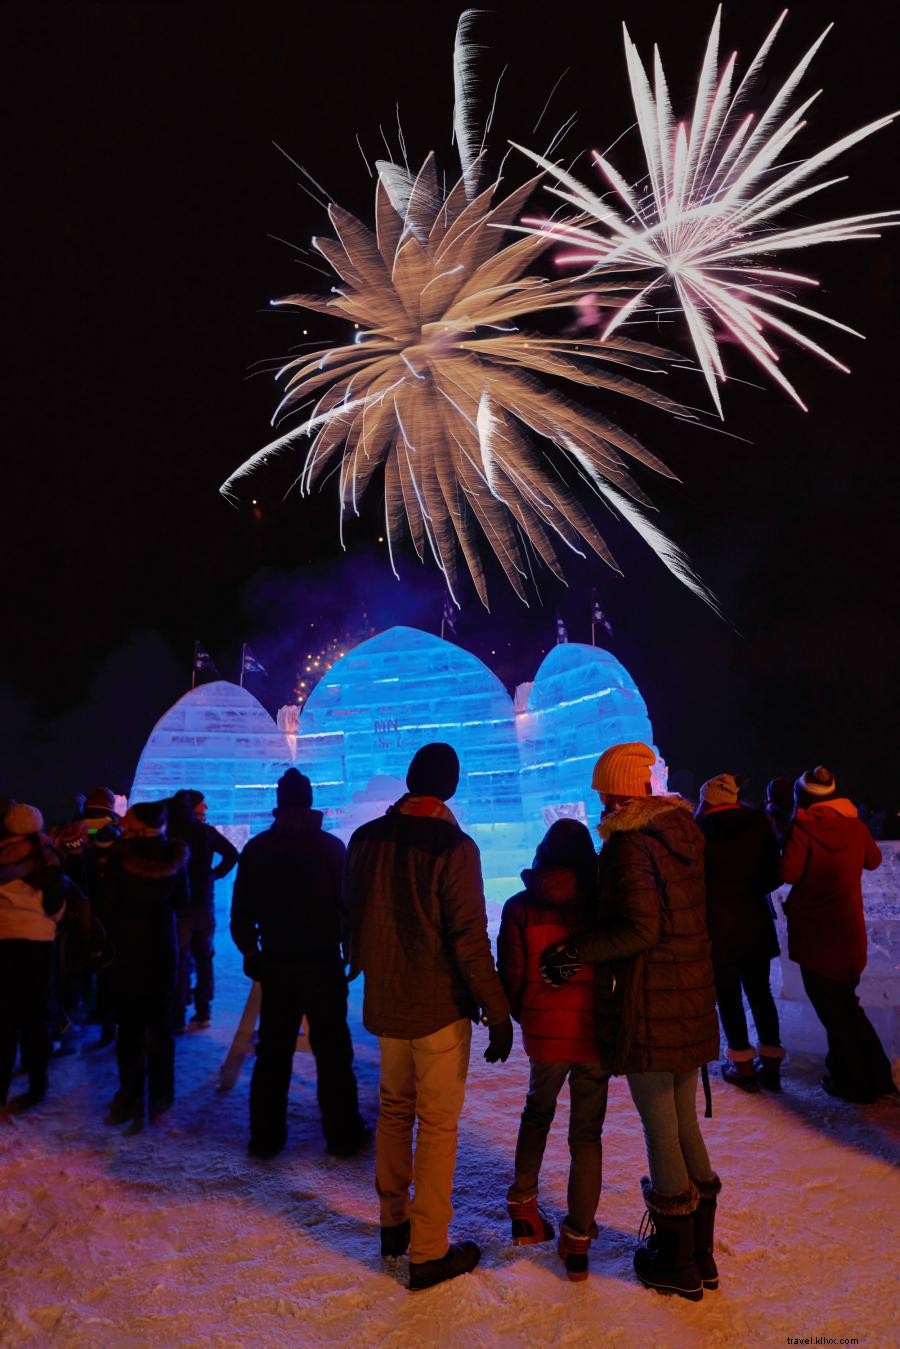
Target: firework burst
(703, 221)
(446, 390)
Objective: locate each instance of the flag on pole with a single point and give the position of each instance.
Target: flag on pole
(448, 615)
(562, 632)
(249, 663)
(598, 617)
(202, 661)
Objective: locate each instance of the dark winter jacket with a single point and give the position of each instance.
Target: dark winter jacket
(204, 843)
(656, 999)
(287, 894)
(558, 1025)
(419, 926)
(826, 851)
(741, 870)
(144, 886)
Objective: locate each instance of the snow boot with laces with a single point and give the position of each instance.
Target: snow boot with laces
(666, 1262)
(573, 1250)
(529, 1225)
(704, 1229)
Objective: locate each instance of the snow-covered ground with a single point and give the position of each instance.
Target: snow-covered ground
(175, 1238)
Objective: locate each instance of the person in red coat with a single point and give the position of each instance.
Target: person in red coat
(826, 851)
(559, 1032)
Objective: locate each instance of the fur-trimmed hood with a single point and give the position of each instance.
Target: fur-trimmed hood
(668, 818)
(152, 859)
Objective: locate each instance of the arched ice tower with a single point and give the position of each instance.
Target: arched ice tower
(523, 763)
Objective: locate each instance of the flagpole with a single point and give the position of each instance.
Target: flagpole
(194, 667)
(243, 654)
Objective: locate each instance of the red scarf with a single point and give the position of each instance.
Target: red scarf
(426, 807)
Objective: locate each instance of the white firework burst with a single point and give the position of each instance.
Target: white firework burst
(445, 390)
(703, 221)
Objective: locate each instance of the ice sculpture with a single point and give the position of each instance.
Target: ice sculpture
(523, 763)
(219, 740)
(582, 701)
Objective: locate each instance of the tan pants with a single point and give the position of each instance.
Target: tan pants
(421, 1079)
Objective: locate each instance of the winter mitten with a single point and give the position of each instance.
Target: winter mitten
(559, 963)
(500, 1042)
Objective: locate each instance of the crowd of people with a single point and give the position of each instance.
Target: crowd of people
(612, 965)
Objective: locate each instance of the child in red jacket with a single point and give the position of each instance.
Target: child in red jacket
(559, 1034)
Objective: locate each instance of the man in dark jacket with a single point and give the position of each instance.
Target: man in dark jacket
(419, 934)
(286, 920)
(656, 1004)
(742, 861)
(197, 922)
(144, 886)
(827, 849)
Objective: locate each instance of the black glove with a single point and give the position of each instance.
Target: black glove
(500, 1041)
(253, 966)
(559, 963)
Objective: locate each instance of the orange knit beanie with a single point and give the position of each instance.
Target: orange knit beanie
(624, 770)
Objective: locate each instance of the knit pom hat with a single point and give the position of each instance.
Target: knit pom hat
(294, 789)
(22, 819)
(624, 770)
(816, 784)
(434, 771)
(722, 790)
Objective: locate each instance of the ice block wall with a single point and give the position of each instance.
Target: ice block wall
(582, 701)
(401, 689)
(522, 764)
(218, 740)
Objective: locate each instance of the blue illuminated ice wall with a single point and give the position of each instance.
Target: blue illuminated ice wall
(522, 764)
(219, 740)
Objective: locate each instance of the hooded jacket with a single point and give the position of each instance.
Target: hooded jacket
(144, 885)
(287, 894)
(656, 999)
(419, 925)
(827, 849)
(32, 894)
(559, 1025)
(741, 870)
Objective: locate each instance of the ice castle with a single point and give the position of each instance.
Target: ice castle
(525, 761)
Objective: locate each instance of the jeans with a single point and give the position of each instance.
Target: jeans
(25, 970)
(424, 1080)
(289, 993)
(753, 977)
(196, 926)
(588, 1090)
(145, 1047)
(667, 1105)
(856, 1061)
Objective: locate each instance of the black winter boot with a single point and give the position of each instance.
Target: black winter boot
(461, 1258)
(395, 1240)
(769, 1066)
(704, 1228)
(667, 1262)
(529, 1225)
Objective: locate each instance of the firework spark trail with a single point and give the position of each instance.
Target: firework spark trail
(704, 219)
(444, 388)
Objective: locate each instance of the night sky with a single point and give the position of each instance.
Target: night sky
(142, 192)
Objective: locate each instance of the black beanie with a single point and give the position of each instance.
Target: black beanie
(151, 814)
(294, 789)
(434, 771)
